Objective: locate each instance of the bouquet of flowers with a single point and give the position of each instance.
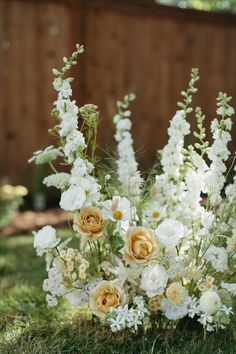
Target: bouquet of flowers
(156, 247)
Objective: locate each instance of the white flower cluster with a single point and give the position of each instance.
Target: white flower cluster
(47, 155)
(147, 250)
(57, 180)
(83, 188)
(218, 257)
(125, 317)
(212, 313)
(172, 154)
(127, 167)
(218, 153)
(54, 285)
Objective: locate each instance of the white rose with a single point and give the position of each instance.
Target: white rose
(44, 239)
(154, 279)
(72, 199)
(170, 232)
(209, 302)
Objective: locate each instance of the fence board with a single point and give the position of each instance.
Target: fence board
(144, 48)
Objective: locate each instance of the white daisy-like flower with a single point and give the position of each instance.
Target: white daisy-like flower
(118, 209)
(154, 212)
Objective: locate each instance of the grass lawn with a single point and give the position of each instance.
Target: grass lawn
(28, 326)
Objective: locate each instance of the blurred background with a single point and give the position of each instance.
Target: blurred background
(145, 47)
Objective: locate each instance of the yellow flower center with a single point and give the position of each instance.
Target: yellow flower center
(155, 214)
(117, 215)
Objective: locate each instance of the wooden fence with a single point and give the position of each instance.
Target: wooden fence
(130, 46)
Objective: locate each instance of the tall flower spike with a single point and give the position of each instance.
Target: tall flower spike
(127, 166)
(218, 153)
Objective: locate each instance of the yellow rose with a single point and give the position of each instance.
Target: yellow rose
(105, 296)
(175, 293)
(140, 245)
(90, 223)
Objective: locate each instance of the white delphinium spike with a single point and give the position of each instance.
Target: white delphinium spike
(218, 153)
(172, 156)
(127, 166)
(171, 184)
(83, 188)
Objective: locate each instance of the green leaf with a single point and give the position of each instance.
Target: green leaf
(116, 243)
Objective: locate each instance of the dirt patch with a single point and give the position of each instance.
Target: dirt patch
(27, 221)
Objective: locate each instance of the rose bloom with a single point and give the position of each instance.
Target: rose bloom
(44, 239)
(140, 245)
(209, 302)
(170, 232)
(90, 223)
(105, 296)
(154, 279)
(175, 293)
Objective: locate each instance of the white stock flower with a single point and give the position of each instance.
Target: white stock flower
(154, 279)
(172, 154)
(75, 143)
(72, 199)
(127, 167)
(218, 153)
(45, 239)
(62, 86)
(170, 232)
(209, 302)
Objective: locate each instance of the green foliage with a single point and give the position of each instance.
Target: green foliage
(116, 243)
(90, 116)
(188, 95)
(69, 62)
(123, 105)
(202, 145)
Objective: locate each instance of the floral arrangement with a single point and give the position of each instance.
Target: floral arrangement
(152, 248)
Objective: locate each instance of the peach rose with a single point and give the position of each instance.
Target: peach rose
(105, 296)
(90, 223)
(140, 246)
